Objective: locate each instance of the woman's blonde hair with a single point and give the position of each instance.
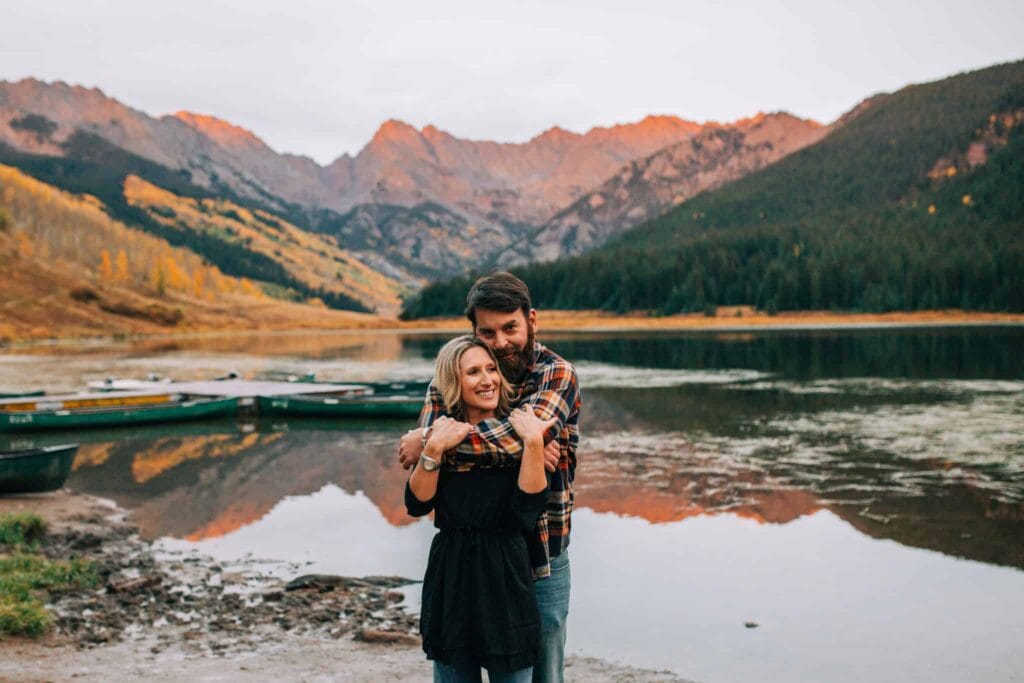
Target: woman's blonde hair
(446, 376)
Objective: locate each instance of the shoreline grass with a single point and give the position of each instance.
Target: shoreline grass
(24, 574)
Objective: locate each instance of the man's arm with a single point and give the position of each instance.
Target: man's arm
(496, 442)
(557, 393)
(411, 445)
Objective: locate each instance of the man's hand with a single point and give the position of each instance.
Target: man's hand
(410, 447)
(552, 454)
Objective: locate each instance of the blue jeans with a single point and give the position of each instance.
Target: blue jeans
(470, 673)
(553, 602)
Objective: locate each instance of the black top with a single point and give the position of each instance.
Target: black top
(478, 602)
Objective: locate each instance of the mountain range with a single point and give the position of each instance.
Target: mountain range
(412, 204)
(913, 200)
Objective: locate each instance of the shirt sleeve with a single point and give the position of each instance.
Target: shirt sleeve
(433, 406)
(495, 441)
(415, 506)
(527, 507)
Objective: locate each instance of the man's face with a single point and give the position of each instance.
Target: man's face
(510, 336)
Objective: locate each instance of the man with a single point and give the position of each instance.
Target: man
(501, 312)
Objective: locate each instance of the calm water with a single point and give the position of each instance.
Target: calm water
(859, 496)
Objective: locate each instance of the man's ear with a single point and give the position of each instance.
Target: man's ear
(532, 320)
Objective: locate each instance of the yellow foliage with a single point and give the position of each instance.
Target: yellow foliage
(25, 248)
(951, 171)
(122, 275)
(157, 278)
(310, 258)
(73, 232)
(249, 289)
(931, 209)
(106, 267)
(197, 283)
(176, 277)
(967, 201)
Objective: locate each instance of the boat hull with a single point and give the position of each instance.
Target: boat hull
(369, 407)
(118, 416)
(36, 470)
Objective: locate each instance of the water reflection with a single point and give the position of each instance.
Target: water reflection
(662, 455)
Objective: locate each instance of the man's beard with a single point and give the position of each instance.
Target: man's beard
(515, 364)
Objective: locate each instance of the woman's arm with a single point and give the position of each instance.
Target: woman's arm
(446, 433)
(532, 478)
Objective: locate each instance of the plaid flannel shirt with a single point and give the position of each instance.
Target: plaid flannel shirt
(552, 388)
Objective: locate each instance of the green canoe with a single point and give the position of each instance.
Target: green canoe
(37, 469)
(326, 406)
(22, 394)
(173, 411)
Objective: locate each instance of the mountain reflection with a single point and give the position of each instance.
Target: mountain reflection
(663, 455)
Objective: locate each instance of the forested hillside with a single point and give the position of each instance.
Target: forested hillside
(68, 269)
(93, 166)
(916, 203)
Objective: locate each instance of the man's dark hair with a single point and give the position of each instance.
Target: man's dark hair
(500, 291)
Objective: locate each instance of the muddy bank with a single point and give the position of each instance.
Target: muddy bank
(187, 617)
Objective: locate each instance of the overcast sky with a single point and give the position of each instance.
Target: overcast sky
(317, 78)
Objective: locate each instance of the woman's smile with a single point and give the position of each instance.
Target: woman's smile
(480, 380)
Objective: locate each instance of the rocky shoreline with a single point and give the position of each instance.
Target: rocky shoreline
(164, 616)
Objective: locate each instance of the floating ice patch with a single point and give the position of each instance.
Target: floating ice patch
(624, 376)
(884, 385)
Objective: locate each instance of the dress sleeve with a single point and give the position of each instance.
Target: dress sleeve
(527, 507)
(415, 506)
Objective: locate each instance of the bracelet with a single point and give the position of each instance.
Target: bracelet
(425, 436)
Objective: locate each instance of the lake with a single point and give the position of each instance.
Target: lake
(858, 495)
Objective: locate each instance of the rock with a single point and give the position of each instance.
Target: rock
(132, 585)
(324, 582)
(388, 581)
(751, 624)
(369, 635)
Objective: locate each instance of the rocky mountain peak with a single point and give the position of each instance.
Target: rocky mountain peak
(220, 131)
(394, 131)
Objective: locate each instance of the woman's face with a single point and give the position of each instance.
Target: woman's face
(479, 379)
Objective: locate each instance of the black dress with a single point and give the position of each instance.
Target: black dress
(478, 602)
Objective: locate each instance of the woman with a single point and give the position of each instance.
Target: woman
(478, 605)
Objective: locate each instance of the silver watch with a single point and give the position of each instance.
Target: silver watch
(428, 463)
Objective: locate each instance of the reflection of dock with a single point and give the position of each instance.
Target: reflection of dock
(241, 389)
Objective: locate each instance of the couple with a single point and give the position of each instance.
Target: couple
(495, 459)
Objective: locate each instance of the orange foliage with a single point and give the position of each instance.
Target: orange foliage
(122, 275)
(106, 267)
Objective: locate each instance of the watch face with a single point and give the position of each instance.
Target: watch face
(428, 464)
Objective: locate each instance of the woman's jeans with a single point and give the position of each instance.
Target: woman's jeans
(553, 602)
(470, 673)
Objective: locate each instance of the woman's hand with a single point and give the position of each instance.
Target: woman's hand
(528, 425)
(446, 434)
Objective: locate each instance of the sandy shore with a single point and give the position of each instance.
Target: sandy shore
(189, 619)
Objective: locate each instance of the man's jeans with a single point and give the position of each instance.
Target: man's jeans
(553, 602)
(470, 673)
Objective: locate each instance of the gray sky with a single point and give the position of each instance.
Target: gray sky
(317, 78)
